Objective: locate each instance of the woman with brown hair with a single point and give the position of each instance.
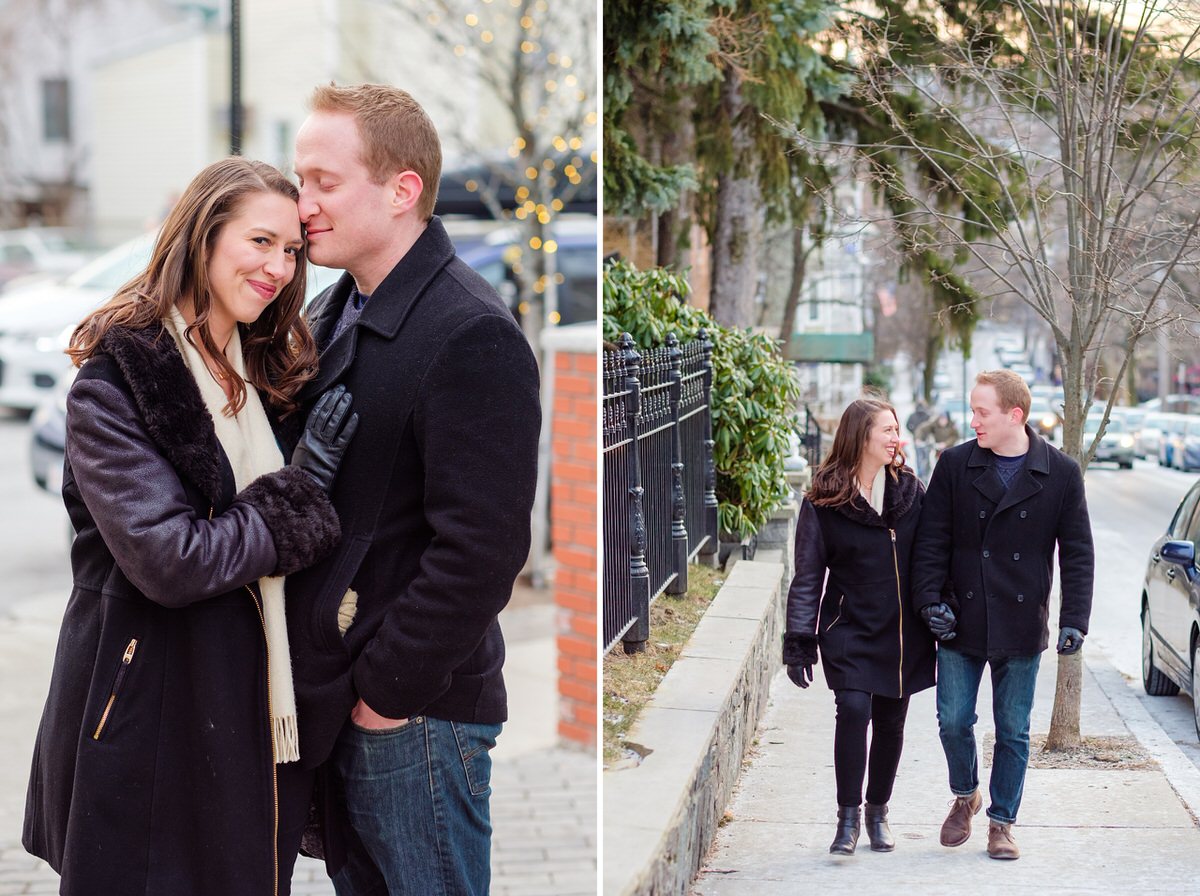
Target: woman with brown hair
(165, 762)
(857, 524)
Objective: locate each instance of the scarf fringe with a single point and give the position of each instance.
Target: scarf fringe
(287, 739)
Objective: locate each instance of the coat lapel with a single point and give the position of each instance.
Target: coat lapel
(986, 481)
(170, 405)
(1027, 484)
(386, 310)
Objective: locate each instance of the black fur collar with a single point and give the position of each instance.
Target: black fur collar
(170, 403)
(898, 498)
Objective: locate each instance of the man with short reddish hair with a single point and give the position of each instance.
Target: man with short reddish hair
(982, 567)
(397, 648)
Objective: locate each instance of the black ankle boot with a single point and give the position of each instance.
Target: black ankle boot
(847, 831)
(877, 828)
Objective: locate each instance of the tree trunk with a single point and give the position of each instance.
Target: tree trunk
(739, 220)
(676, 147)
(1068, 692)
(799, 266)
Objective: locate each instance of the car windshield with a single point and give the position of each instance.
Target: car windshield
(1092, 425)
(113, 269)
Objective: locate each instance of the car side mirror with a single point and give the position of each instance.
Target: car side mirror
(1181, 552)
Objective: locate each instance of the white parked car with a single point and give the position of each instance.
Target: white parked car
(36, 322)
(33, 251)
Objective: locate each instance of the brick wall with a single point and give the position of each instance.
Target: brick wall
(573, 526)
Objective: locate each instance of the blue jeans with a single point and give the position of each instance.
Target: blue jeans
(1013, 681)
(417, 797)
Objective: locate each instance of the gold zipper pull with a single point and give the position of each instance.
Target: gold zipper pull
(128, 657)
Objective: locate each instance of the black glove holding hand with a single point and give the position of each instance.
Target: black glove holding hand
(801, 674)
(326, 435)
(1069, 640)
(940, 619)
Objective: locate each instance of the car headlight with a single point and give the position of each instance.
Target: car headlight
(1126, 441)
(1048, 421)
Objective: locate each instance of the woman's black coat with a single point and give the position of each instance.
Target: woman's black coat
(988, 551)
(166, 788)
(870, 637)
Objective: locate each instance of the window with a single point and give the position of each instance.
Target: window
(56, 110)
(1184, 513)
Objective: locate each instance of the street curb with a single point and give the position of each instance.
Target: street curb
(660, 817)
(1181, 774)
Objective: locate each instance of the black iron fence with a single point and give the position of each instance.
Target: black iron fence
(659, 499)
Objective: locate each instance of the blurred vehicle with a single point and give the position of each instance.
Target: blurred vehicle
(1170, 609)
(1184, 453)
(1115, 446)
(48, 435)
(1024, 371)
(1179, 403)
(1148, 440)
(40, 250)
(1045, 417)
(496, 257)
(36, 321)
(1172, 438)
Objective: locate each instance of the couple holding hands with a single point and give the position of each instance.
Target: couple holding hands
(896, 586)
(294, 534)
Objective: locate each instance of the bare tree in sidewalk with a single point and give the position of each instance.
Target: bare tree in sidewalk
(1094, 106)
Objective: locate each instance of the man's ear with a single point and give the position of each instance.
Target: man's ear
(407, 188)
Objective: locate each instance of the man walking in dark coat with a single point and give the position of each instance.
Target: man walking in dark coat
(397, 648)
(982, 570)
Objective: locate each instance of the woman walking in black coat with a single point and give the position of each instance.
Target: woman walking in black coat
(165, 762)
(857, 523)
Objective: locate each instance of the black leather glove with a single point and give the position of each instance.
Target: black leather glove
(941, 621)
(801, 674)
(1069, 640)
(328, 431)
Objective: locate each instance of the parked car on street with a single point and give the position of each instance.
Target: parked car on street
(1045, 416)
(575, 257)
(29, 251)
(1172, 439)
(1115, 446)
(1185, 445)
(1170, 608)
(1149, 438)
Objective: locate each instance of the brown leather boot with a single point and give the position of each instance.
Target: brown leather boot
(880, 835)
(1001, 844)
(849, 819)
(957, 826)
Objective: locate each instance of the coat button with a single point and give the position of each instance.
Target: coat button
(1020, 598)
(1016, 556)
(1024, 513)
(970, 594)
(986, 554)
(982, 514)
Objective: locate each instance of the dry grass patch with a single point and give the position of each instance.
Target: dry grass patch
(630, 680)
(1114, 753)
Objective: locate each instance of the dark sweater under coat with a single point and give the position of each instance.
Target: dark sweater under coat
(990, 550)
(175, 795)
(862, 617)
(434, 495)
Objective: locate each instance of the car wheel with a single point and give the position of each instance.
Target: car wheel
(1196, 686)
(1155, 682)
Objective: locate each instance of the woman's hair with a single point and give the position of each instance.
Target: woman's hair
(279, 351)
(835, 481)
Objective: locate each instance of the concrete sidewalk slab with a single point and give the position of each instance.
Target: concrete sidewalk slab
(1093, 830)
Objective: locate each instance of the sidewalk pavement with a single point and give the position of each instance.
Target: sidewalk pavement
(1114, 827)
(544, 796)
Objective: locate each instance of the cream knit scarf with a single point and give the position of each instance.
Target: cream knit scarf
(250, 445)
